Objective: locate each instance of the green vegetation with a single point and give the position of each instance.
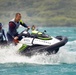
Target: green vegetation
(40, 12)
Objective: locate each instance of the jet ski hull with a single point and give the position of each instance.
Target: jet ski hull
(53, 49)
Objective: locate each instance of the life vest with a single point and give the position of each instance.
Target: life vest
(16, 23)
(15, 29)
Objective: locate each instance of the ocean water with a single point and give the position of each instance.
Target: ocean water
(62, 63)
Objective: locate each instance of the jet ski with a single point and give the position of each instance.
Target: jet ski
(38, 43)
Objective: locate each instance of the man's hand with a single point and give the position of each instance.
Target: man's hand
(15, 38)
(28, 27)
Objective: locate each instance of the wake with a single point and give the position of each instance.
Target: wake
(66, 54)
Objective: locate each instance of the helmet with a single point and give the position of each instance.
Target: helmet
(0, 24)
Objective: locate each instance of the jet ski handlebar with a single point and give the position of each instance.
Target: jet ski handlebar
(27, 29)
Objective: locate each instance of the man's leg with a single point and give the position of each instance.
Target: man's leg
(10, 38)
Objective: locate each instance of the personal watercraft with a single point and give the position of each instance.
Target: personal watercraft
(39, 43)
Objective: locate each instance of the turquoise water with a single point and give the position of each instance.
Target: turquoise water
(62, 63)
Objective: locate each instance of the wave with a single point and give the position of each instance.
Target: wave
(66, 54)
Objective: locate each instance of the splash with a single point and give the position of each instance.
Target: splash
(66, 54)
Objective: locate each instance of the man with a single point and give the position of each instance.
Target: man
(2, 34)
(12, 33)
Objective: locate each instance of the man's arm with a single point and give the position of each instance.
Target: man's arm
(4, 34)
(23, 24)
